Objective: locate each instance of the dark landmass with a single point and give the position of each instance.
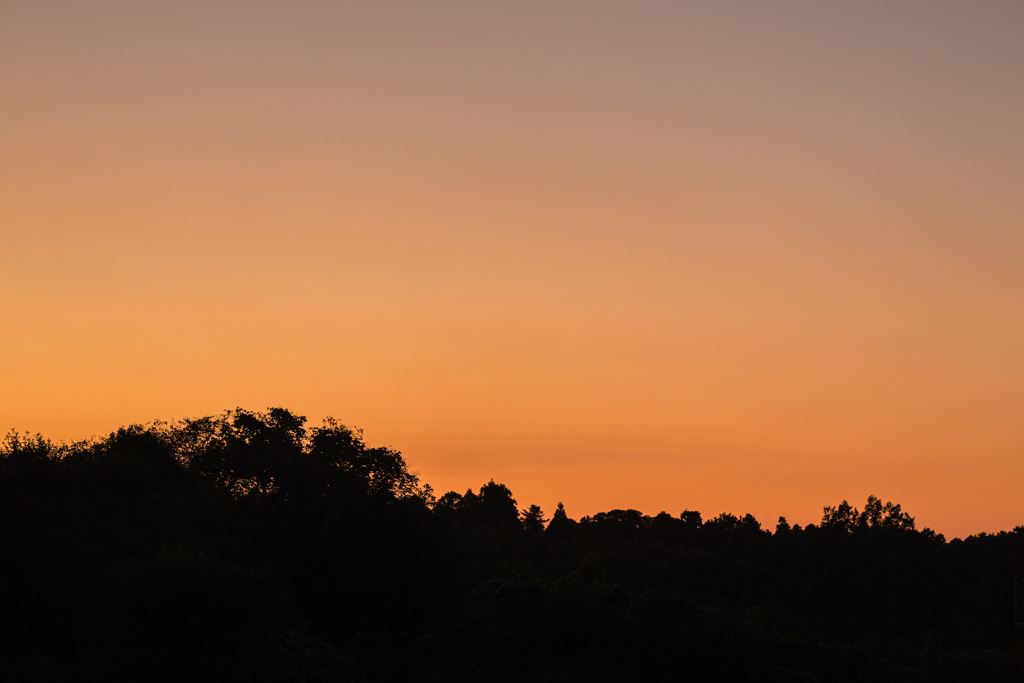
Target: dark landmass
(249, 547)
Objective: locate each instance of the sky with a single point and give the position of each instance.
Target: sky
(724, 256)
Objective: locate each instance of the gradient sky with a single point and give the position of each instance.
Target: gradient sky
(726, 256)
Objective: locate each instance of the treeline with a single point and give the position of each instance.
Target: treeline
(250, 547)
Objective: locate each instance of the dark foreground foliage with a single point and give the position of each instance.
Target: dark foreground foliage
(248, 547)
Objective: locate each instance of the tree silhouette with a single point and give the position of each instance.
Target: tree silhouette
(560, 522)
(251, 546)
(496, 506)
(848, 519)
(533, 519)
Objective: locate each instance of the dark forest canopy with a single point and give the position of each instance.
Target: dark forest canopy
(250, 546)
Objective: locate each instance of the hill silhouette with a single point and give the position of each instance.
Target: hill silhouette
(251, 547)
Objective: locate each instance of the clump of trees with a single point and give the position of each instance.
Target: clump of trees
(251, 546)
(875, 516)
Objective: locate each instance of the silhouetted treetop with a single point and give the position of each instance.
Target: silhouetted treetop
(876, 516)
(560, 521)
(263, 455)
(691, 519)
(533, 519)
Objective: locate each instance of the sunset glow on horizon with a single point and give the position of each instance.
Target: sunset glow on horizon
(738, 257)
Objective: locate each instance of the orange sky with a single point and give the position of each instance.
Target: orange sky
(728, 257)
